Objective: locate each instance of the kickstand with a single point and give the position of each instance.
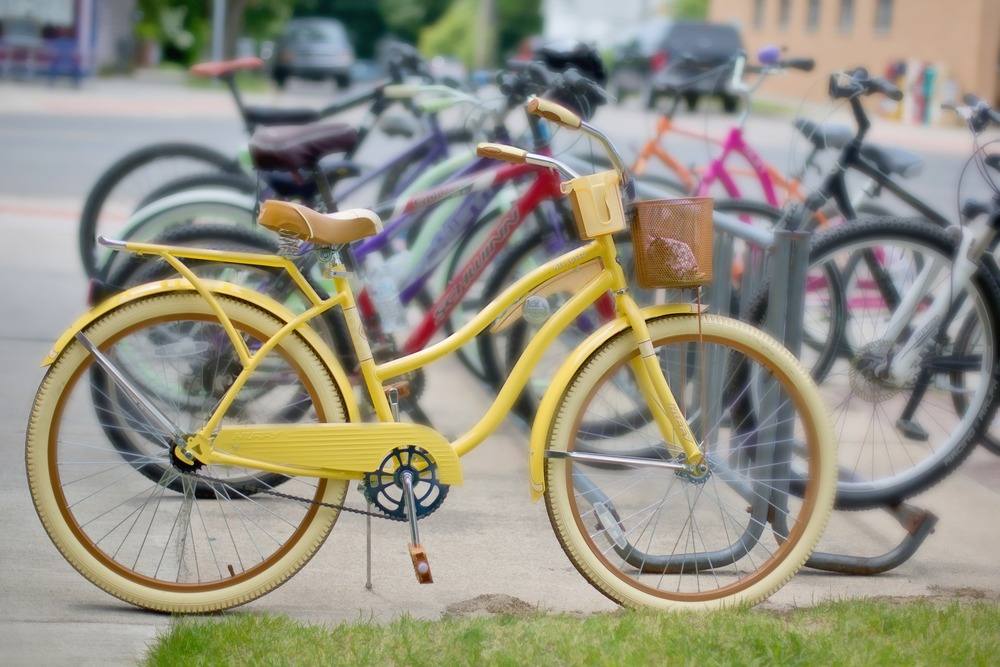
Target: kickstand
(368, 548)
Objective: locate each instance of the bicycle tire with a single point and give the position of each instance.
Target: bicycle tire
(668, 183)
(989, 441)
(624, 584)
(984, 283)
(238, 182)
(248, 577)
(119, 170)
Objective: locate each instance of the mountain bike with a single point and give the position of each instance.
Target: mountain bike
(901, 322)
(684, 528)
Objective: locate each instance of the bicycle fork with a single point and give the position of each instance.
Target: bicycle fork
(677, 435)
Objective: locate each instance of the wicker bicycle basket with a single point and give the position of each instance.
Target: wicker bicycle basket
(672, 242)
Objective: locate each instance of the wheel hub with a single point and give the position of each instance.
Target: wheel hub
(869, 375)
(696, 474)
(183, 466)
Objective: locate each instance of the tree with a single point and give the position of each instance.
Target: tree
(362, 19)
(261, 19)
(407, 18)
(457, 32)
(693, 10)
(183, 27)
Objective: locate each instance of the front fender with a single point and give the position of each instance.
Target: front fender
(268, 303)
(546, 409)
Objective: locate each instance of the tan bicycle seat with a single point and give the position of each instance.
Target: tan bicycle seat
(326, 228)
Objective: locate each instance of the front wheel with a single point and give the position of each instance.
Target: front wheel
(649, 536)
(143, 540)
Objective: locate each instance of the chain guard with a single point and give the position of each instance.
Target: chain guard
(384, 489)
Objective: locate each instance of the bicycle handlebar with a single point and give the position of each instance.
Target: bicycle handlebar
(977, 112)
(563, 116)
(857, 82)
(501, 152)
(556, 113)
(801, 64)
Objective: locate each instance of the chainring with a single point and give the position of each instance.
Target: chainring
(384, 487)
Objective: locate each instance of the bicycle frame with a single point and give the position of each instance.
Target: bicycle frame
(700, 181)
(314, 449)
(480, 189)
(434, 143)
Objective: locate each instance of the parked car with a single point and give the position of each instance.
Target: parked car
(636, 58)
(693, 56)
(665, 58)
(313, 48)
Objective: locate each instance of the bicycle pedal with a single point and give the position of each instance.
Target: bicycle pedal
(421, 567)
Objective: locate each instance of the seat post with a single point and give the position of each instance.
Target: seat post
(325, 191)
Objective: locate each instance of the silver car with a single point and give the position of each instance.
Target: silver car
(313, 48)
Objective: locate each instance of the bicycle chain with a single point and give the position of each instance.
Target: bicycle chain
(300, 499)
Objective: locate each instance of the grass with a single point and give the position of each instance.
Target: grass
(837, 633)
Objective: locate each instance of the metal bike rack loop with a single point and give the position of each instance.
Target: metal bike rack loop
(780, 258)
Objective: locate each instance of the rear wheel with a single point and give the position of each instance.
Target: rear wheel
(137, 538)
(131, 179)
(215, 180)
(648, 536)
(899, 432)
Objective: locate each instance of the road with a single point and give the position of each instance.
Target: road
(488, 539)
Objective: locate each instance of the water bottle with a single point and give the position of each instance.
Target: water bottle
(385, 281)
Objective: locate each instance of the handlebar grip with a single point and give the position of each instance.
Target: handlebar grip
(971, 100)
(880, 85)
(553, 112)
(501, 152)
(400, 91)
(801, 64)
(769, 55)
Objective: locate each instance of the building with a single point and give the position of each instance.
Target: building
(935, 49)
(72, 38)
(598, 22)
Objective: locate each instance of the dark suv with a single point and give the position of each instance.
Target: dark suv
(678, 59)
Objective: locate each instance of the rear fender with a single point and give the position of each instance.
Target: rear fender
(257, 299)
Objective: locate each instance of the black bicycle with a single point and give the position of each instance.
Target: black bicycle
(900, 323)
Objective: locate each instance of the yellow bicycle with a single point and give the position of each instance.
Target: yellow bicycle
(663, 446)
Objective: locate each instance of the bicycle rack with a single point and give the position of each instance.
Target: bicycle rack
(782, 257)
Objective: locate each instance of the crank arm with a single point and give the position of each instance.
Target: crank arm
(421, 567)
